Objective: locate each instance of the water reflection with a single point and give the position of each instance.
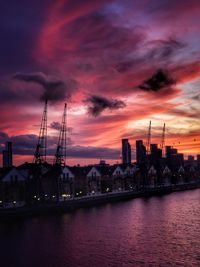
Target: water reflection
(158, 231)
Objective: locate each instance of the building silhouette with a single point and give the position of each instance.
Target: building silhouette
(155, 155)
(7, 155)
(174, 159)
(126, 152)
(140, 152)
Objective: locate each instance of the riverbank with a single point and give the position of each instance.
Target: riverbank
(92, 200)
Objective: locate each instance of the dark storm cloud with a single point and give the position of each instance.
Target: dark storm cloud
(99, 104)
(22, 144)
(93, 152)
(57, 126)
(25, 145)
(54, 90)
(159, 80)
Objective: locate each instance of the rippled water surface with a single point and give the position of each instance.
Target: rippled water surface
(158, 231)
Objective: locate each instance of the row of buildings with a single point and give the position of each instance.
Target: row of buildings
(31, 183)
(28, 184)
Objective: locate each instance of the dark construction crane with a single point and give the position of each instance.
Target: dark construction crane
(41, 148)
(60, 155)
(162, 146)
(148, 139)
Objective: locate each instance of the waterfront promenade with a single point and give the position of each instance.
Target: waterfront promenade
(72, 203)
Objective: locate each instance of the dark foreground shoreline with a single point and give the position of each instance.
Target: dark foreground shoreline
(88, 201)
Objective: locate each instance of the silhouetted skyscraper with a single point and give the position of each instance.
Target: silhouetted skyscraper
(126, 152)
(155, 156)
(174, 159)
(7, 155)
(140, 152)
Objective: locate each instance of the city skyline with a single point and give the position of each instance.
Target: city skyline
(140, 153)
(117, 65)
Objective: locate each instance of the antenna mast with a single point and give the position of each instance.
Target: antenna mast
(41, 148)
(60, 156)
(149, 139)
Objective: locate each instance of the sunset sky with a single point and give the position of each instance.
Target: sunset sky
(118, 64)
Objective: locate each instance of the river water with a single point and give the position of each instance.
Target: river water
(157, 231)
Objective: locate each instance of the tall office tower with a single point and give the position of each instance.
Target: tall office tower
(7, 155)
(140, 152)
(126, 152)
(156, 154)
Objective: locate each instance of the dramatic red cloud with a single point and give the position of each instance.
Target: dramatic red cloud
(58, 19)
